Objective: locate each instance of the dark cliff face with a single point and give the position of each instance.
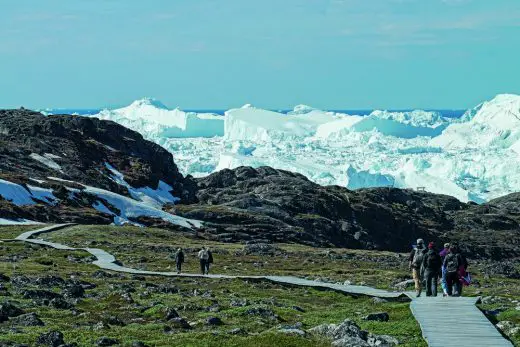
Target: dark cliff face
(81, 146)
(277, 205)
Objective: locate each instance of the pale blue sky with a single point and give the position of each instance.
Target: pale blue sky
(332, 54)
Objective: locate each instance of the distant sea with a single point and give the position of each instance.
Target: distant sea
(445, 113)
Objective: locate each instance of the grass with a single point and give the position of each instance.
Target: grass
(191, 297)
(151, 249)
(11, 231)
(197, 299)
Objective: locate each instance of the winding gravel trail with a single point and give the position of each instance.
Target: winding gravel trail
(445, 322)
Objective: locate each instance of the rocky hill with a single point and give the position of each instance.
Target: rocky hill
(276, 205)
(65, 168)
(79, 147)
(47, 163)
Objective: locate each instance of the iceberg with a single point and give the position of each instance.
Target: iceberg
(495, 123)
(254, 124)
(460, 157)
(154, 120)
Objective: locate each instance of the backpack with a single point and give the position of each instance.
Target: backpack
(433, 261)
(452, 263)
(418, 258)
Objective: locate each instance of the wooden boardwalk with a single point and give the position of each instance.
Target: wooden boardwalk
(444, 321)
(455, 322)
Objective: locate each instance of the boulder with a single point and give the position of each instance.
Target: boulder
(349, 334)
(179, 323)
(297, 332)
(106, 341)
(8, 309)
(380, 317)
(170, 313)
(60, 303)
(27, 320)
(52, 338)
(214, 321)
(40, 294)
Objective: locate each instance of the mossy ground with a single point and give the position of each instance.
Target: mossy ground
(198, 299)
(151, 249)
(12, 231)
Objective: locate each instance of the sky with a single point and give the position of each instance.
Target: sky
(209, 54)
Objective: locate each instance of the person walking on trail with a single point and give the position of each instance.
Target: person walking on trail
(443, 254)
(210, 261)
(203, 258)
(464, 277)
(415, 264)
(432, 264)
(453, 263)
(179, 259)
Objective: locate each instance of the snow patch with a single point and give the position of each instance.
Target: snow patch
(20, 196)
(131, 208)
(153, 197)
(47, 160)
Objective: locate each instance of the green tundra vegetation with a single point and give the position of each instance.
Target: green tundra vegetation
(132, 308)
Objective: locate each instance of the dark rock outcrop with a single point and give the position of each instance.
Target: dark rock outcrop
(268, 205)
(81, 148)
(52, 339)
(27, 320)
(277, 205)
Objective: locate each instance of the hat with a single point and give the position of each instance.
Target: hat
(447, 245)
(420, 241)
(431, 245)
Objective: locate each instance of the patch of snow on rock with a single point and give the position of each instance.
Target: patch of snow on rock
(47, 160)
(20, 195)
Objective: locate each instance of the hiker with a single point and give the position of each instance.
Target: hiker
(203, 257)
(179, 259)
(443, 255)
(210, 261)
(464, 276)
(432, 269)
(454, 263)
(415, 263)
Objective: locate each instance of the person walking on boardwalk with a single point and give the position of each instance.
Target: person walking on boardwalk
(464, 277)
(415, 263)
(453, 263)
(210, 261)
(432, 269)
(179, 259)
(203, 258)
(443, 255)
